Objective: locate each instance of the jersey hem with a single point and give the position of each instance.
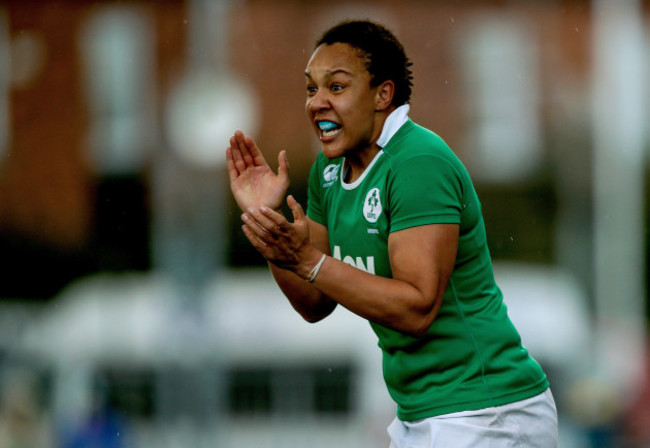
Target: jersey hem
(424, 220)
(436, 411)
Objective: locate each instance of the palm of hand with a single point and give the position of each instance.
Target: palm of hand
(251, 180)
(257, 186)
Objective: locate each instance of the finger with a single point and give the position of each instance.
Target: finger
(276, 216)
(264, 249)
(257, 228)
(233, 173)
(254, 151)
(250, 234)
(296, 209)
(260, 238)
(258, 244)
(236, 153)
(272, 222)
(283, 166)
(245, 144)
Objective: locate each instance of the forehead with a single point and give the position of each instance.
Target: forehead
(328, 59)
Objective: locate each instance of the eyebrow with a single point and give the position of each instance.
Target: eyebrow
(330, 74)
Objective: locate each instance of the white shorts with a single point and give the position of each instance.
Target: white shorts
(530, 423)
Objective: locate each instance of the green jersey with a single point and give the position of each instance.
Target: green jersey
(471, 357)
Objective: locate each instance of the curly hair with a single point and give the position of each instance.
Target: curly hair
(382, 53)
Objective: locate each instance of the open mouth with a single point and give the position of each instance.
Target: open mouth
(328, 128)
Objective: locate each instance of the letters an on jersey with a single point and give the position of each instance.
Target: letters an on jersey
(368, 266)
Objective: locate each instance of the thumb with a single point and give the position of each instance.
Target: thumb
(283, 165)
(296, 209)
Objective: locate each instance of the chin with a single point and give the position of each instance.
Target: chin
(331, 151)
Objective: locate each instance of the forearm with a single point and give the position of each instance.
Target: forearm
(422, 259)
(393, 303)
(308, 301)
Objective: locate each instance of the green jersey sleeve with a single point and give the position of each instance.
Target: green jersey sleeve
(425, 189)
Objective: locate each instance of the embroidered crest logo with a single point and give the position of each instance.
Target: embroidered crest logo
(330, 174)
(372, 206)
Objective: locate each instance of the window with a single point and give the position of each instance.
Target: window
(130, 391)
(286, 391)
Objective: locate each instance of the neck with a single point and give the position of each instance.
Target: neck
(357, 161)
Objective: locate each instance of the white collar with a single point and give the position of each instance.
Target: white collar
(393, 122)
(355, 184)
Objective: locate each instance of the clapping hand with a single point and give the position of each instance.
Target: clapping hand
(252, 181)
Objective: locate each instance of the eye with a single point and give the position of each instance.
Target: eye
(336, 87)
(311, 90)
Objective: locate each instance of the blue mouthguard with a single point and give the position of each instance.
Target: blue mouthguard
(327, 125)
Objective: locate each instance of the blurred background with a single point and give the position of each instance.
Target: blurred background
(133, 313)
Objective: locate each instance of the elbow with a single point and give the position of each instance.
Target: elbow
(414, 323)
(313, 318)
(415, 326)
(419, 325)
(424, 317)
(420, 329)
(316, 313)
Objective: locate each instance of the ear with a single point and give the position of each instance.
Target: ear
(384, 95)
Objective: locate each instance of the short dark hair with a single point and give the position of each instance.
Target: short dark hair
(383, 54)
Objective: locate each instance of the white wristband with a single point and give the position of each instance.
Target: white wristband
(314, 272)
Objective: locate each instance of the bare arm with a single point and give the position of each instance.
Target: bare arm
(308, 301)
(253, 184)
(422, 259)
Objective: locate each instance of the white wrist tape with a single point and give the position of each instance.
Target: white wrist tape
(314, 272)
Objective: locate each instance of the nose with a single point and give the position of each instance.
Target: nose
(318, 101)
